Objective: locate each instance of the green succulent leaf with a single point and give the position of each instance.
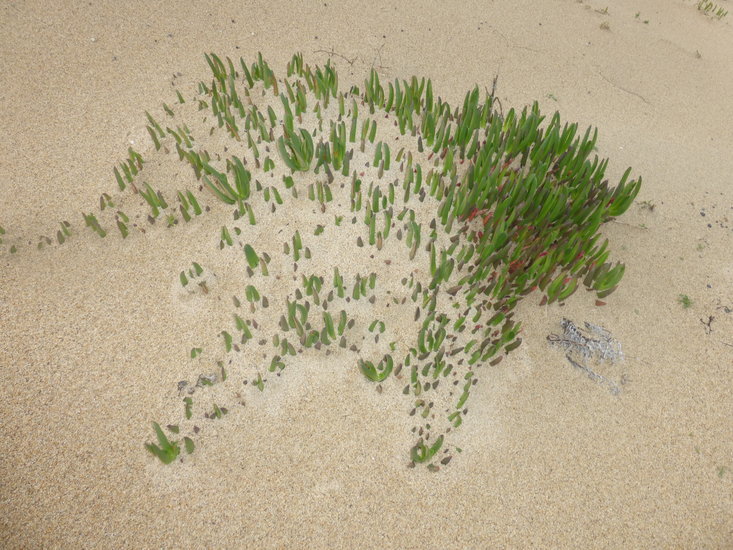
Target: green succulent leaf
(252, 258)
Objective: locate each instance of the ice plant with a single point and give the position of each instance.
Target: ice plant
(488, 209)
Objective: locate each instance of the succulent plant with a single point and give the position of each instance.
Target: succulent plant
(491, 206)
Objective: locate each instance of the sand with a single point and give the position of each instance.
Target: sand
(93, 343)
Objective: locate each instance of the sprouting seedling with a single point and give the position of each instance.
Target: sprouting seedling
(313, 286)
(122, 221)
(120, 181)
(338, 282)
(90, 220)
(297, 150)
(242, 178)
(206, 380)
(62, 234)
(377, 373)
(105, 201)
(276, 364)
(166, 450)
(133, 165)
(252, 295)
(329, 325)
(422, 453)
(227, 340)
(226, 237)
(43, 241)
(188, 202)
(156, 134)
(194, 272)
(218, 412)
(264, 260)
(377, 324)
(297, 245)
(221, 187)
(154, 199)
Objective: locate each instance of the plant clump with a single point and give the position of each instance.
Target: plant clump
(472, 210)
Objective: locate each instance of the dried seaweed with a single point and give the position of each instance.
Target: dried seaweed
(596, 343)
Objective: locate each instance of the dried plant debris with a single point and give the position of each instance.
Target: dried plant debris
(472, 209)
(595, 344)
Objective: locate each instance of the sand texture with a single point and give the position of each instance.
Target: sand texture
(96, 334)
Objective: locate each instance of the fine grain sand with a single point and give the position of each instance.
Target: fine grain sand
(92, 343)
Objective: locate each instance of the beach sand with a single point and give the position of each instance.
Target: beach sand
(94, 337)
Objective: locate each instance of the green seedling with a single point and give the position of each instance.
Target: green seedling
(90, 220)
(422, 453)
(226, 238)
(166, 450)
(62, 234)
(155, 200)
(194, 272)
(377, 373)
(296, 151)
(379, 325)
(218, 412)
(227, 340)
(252, 296)
(221, 187)
(105, 201)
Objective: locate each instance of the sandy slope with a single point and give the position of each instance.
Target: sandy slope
(92, 345)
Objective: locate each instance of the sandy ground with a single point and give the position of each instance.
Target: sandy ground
(92, 345)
